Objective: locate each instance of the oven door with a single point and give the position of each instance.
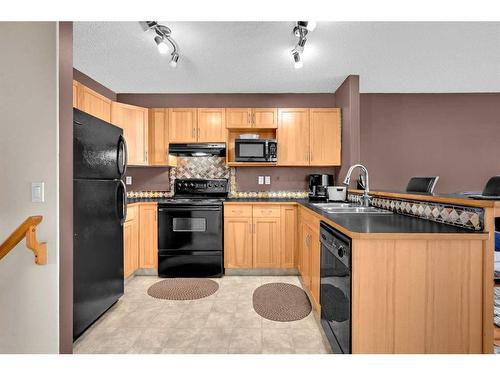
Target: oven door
(250, 151)
(190, 228)
(335, 299)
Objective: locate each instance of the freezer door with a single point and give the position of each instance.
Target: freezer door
(98, 249)
(99, 149)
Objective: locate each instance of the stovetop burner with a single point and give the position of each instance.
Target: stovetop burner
(197, 191)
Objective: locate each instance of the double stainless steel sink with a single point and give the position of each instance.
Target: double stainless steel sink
(349, 208)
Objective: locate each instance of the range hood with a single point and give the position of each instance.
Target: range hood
(197, 149)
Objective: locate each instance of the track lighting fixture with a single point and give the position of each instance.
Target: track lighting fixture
(300, 31)
(162, 39)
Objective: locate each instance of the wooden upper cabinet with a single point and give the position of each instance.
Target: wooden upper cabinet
(75, 94)
(91, 102)
(158, 136)
(325, 136)
(238, 242)
(148, 236)
(238, 118)
(134, 122)
(182, 125)
(265, 118)
(293, 136)
(266, 242)
(211, 125)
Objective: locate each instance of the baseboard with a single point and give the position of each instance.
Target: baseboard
(261, 272)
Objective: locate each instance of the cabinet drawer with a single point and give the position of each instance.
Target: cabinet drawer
(266, 211)
(240, 210)
(132, 212)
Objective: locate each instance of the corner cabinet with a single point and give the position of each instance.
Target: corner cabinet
(134, 122)
(312, 136)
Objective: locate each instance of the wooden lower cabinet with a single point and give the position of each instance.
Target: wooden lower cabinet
(288, 236)
(148, 236)
(260, 236)
(266, 242)
(238, 242)
(131, 242)
(305, 255)
(315, 258)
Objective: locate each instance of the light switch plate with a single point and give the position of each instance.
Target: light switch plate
(261, 180)
(128, 180)
(37, 192)
(267, 180)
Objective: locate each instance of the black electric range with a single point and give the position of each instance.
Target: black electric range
(190, 229)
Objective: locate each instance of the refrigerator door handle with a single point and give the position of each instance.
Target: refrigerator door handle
(122, 211)
(122, 161)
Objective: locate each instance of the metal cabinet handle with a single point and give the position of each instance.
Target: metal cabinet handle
(253, 118)
(193, 132)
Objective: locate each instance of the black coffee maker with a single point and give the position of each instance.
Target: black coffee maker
(318, 184)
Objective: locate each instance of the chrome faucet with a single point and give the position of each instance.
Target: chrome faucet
(365, 199)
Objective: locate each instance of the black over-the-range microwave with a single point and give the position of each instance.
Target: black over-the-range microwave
(256, 150)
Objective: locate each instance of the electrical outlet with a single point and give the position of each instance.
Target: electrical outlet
(128, 180)
(261, 180)
(267, 180)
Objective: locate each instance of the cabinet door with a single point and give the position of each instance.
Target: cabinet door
(238, 242)
(134, 122)
(265, 118)
(130, 247)
(293, 136)
(211, 125)
(305, 256)
(325, 135)
(94, 103)
(148, 236)
(315, 269)
(238, 118)
(266, 242)
(288, 236)
(158, 136)
(182, 125)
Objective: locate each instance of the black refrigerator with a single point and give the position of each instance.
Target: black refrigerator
(99, 210)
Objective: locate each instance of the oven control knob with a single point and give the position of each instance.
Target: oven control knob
(341, 251)
(210, 185)
(191, 185)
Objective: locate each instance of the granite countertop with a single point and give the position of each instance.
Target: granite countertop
(356, 223)
(395, 223)
(371, 223)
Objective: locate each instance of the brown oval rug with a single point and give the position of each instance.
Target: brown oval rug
(281, 302)
(183, 288)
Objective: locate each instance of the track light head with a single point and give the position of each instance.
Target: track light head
(162, 46)
(297, 60)
(311, 25)
(174, 59)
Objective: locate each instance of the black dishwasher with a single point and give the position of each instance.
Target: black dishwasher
(335, 288)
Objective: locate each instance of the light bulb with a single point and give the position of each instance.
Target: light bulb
(162, 46)
(311, 25)
(174, 59)
(298, 62)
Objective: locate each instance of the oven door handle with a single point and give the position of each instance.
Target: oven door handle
(188, 208)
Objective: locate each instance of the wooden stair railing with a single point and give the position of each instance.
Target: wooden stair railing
(26, 230)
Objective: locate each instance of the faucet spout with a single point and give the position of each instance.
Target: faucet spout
(365, 198)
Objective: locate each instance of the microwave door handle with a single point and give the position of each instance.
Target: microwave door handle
(266, 151)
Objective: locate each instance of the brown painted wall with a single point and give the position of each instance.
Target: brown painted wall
(455, 136)
(347, 98)
(93, 84)
(228, 100)
(149, 179)
(282, 178)
(65, 187)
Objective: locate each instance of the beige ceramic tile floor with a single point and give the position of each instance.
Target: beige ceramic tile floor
(222, 323)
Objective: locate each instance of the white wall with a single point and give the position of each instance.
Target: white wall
(28, 152)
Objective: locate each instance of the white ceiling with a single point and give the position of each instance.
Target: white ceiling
(254, 57)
